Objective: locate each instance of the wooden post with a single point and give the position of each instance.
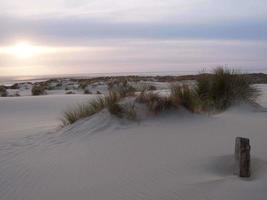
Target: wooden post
(242, 157)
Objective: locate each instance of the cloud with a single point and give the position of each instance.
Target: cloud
(74, 20)
(79, 29)
(139, 10)
(145, 56)
(137, 35)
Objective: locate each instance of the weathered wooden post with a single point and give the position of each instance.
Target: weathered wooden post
(242, 157)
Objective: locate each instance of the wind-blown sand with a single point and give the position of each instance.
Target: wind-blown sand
(171, 156)
(30, 114)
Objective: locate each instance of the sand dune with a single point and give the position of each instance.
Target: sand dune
(172, 156)
(28, 115)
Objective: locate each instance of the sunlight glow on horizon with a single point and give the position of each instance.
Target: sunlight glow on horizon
(25, 50)
(81, 36)
(109, 56)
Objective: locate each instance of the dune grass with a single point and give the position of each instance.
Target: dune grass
(84, 110)
(211, 93)
(127, 111)
(224, 88)
(146, 87)
(130, 112)
(154, 101)
(38, 90)
(87, 91)
(183, 95)
(3, 91)
(116, 109)
(123, 87)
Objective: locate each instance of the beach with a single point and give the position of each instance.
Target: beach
(175, 155)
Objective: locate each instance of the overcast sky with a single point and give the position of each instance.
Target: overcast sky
(134, 35)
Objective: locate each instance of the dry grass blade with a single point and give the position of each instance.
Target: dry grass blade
(185, 96)
(88, 109)
(224, 88)
(154, 101)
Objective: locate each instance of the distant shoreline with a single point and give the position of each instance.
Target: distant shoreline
(190, 75)
(91, 75)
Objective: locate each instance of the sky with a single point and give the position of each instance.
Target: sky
(100, 36)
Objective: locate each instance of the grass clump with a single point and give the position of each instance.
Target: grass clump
(3, 91)
(212, 92)
(88, 109)
(224, 88)
(38, 90)
(183, 95)
(154, 101)
(123, 87)
(69, 92)
(87, 91)
(116, 109)
(130, 112)
(152, 88)
(83, 85)
(146, 87)
(127, 111)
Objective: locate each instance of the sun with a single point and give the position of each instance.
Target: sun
(28, 50)
(24, 50)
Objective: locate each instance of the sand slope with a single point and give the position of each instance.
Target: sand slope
(173, 156)
(20, 116)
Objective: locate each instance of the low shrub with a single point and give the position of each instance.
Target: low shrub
(38, 90)
(152, 88)
(123, 87)
(87, 91)
(3, 91)
(83, 85)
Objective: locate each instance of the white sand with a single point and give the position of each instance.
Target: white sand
(173, 156)
(28, 115)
